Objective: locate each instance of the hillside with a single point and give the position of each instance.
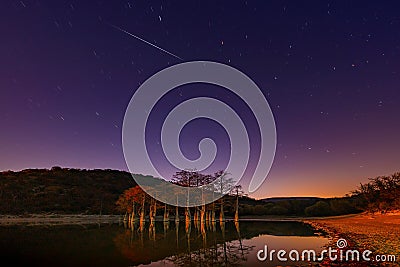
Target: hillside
(278, 199)
(62, 190)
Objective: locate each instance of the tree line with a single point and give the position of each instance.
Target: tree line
(71, 191)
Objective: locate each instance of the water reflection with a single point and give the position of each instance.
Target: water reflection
(157, 244)
(203, 244)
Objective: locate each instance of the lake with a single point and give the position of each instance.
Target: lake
(161, 244)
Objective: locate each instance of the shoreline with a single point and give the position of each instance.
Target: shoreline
(379, 233)
(57, 219)
(65, 219)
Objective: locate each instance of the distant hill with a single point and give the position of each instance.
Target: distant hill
(278, 199)
(61, 190)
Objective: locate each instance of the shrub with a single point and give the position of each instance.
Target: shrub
(321, 208)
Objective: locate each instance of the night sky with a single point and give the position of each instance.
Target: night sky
(330, 71)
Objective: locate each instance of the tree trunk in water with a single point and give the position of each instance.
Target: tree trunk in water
(131, 218)
(202, 213)
(213, 212)
(195, 218)
(153, 209)
(188, 217)
(236, 216)
(166, 213)
(142, 215)
(197, 215)
(125, 220)
(221, 215)
(237, 210)
(176, 214)
(208, 219)
(133, 215)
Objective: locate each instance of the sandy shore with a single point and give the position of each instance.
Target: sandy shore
(378, 233)
(57, 219)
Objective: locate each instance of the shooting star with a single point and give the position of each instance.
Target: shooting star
(137, 37)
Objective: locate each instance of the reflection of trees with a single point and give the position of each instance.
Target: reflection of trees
(239, 238)
(215, 250)
(197, 244)
(202, 245)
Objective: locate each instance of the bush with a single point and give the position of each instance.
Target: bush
(341, 206)
(260, 210)
(278, 210)
(321, 208)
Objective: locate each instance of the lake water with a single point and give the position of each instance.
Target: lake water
(212, 244)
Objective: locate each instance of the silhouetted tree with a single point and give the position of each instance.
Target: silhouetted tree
(381, 193)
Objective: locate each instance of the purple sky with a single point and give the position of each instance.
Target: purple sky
(329, 70)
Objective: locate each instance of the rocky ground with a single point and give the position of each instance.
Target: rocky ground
(376, 232)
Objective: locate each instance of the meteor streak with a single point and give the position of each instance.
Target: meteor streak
(137, 37)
